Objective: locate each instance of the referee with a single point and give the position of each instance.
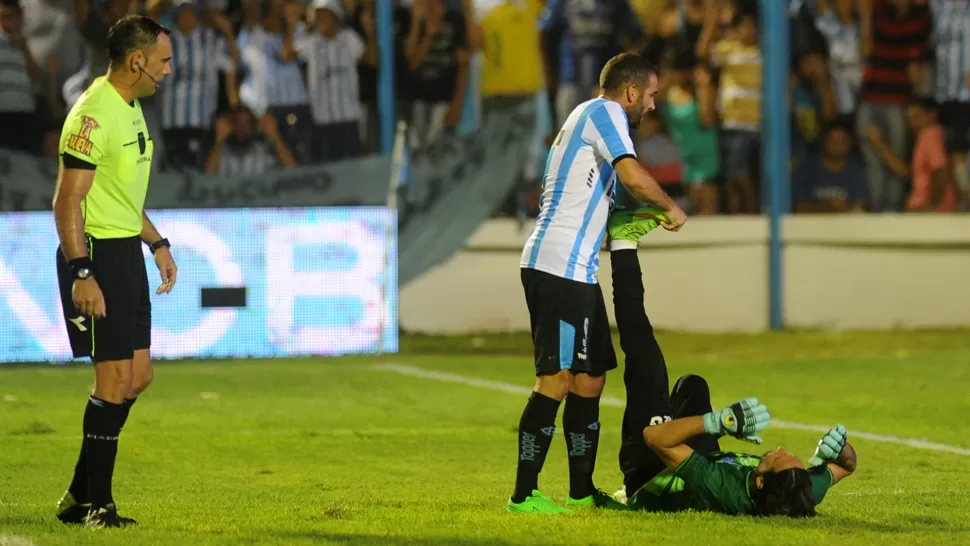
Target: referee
(106, 156)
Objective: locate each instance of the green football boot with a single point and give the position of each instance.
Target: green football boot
(599, 499)
(536, 503)
(632, 224)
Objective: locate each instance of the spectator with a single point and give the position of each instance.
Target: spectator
(895, 37)
(832, 180)
(687, 20)
(239, 150)
(933, 188)
(689, 112)
(190, 95)
(437, 52)
(271, 83)
(813, 100)
(332, 53)
(18, 76)
(660, 157)
(52, 34)
(951, 22)
(362, 18)
(739, 59)
(588, 34)
(838, 21)
(94, 18)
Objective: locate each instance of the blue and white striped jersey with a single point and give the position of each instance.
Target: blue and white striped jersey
(577, 191)
(191, 93)
(951, 33)
(845, 58)
(269, 82)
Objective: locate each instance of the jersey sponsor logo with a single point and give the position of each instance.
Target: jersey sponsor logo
(81, 142)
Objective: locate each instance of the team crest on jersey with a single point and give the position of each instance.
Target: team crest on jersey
(81, 142)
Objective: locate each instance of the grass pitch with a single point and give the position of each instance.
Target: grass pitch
(345, 451)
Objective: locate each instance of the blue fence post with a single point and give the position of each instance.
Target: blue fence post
(385, 70)
(776, 151)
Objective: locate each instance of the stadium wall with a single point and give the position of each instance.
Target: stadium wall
(840, 272)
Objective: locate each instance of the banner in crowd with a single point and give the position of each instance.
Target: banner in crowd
(456, 184)
(27, 184)
(251, 283)
(451, 187)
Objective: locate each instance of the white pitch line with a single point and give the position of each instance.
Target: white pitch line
(14, 540)
(617, 403)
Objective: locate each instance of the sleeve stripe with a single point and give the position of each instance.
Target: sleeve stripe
(621, 157)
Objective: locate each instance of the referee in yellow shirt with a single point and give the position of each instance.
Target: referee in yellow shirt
(106, 156)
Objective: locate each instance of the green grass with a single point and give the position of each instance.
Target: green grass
(335, 450)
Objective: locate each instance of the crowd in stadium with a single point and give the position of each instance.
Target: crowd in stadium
(879, 89)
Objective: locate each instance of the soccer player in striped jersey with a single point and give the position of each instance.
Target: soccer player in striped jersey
(570, 330)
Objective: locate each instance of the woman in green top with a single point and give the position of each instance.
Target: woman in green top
(690, 115)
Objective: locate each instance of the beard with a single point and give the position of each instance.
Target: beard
(635, 116)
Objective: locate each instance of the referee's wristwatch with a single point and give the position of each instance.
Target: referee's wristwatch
(81, 268)
(161, 243)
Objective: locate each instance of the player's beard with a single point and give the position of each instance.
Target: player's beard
(635, 117)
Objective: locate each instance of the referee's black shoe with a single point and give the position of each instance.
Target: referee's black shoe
(106, 516)
(71, 512)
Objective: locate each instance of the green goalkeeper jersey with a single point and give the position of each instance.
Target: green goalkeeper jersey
(713, 482)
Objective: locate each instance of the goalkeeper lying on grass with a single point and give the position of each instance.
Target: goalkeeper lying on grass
(670, 457)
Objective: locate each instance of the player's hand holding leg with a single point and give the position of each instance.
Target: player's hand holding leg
(830, 446)
(673, 219)
(88, 299)
(167, 269)
(743, 420)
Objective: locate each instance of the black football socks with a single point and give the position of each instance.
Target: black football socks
(536, 429)
(79, 483)
(102, 425)
(580, 422)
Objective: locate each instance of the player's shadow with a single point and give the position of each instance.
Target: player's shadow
(386, 540)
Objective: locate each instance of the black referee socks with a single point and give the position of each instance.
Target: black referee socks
(580, 422)
(536, 429)
(102, 424)
(126, 409)
(79, 484)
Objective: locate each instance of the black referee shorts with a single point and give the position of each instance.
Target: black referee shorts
(119, 269)
(570, 329)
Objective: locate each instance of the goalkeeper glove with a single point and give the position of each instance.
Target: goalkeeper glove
(830, 446)
(743, 420)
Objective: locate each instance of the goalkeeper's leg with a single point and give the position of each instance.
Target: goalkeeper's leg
(645, 373)
(692, 397)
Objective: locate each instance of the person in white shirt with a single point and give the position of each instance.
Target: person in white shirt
(570, 329)
(331, 53)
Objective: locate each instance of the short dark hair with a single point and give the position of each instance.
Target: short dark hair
(786, 493)
(132, 32)
(624, 69)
